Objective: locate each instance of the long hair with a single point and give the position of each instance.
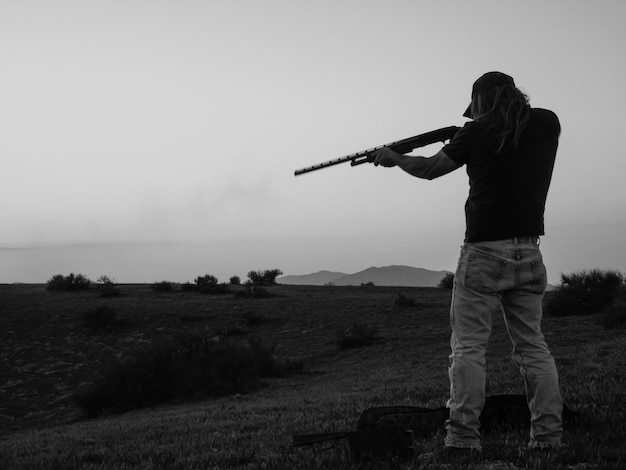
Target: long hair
(504, 110)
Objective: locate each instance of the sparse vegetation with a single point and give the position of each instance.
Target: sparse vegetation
(70, 282)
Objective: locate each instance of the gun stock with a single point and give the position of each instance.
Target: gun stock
(400, 146)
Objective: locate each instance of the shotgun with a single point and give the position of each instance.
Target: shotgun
(400, 146)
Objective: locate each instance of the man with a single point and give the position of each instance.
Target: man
(509, 149)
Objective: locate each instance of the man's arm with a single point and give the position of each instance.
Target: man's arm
(421, 167)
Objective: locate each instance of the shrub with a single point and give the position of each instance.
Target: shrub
(235, 281)
(209, 284)
(107, 287)
(190, 366)
(163, 286)
(205, 280)
(264, 278)
(68, 283)
(104, 280)
(404, 301)
(57, 282)
(256, 278)
(447, 281)
(585, 292)
(357, 335)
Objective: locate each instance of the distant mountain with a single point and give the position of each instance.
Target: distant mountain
(385, 276)
(319, 278)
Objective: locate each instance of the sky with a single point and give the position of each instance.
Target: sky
(149, 140)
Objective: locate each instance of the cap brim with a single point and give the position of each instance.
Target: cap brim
(468, 112)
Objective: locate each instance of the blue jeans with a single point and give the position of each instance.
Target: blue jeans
(506, 275)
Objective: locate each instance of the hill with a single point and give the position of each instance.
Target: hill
(319, 278)
(399, 276)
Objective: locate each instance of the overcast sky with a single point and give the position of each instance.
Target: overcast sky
(178, 124)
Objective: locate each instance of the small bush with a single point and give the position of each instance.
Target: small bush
(163, 286)
(205, 280)
(209, 284)
(368, 284)
(99, 318)
(68, 283)
(57, 282)
(585, 292)
(105, 280)
(264, 278)
(404, 301)
(190, 366)
(357, 335)
(107, 287)
(447, 281)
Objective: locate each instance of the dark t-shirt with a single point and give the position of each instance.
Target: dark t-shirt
(508, 190)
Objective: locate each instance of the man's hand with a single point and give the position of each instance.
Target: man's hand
(386, 157)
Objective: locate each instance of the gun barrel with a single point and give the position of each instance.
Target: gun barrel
(400, 146)
(336, 161)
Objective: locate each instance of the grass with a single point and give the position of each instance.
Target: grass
(47, 354)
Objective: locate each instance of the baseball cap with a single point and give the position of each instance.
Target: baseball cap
(487, 82)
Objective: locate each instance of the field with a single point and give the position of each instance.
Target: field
(47, 354)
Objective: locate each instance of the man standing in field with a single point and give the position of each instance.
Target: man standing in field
(509, 149)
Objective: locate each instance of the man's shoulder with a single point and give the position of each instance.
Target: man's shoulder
(545, 117)
(542, 113)
(471, 128)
